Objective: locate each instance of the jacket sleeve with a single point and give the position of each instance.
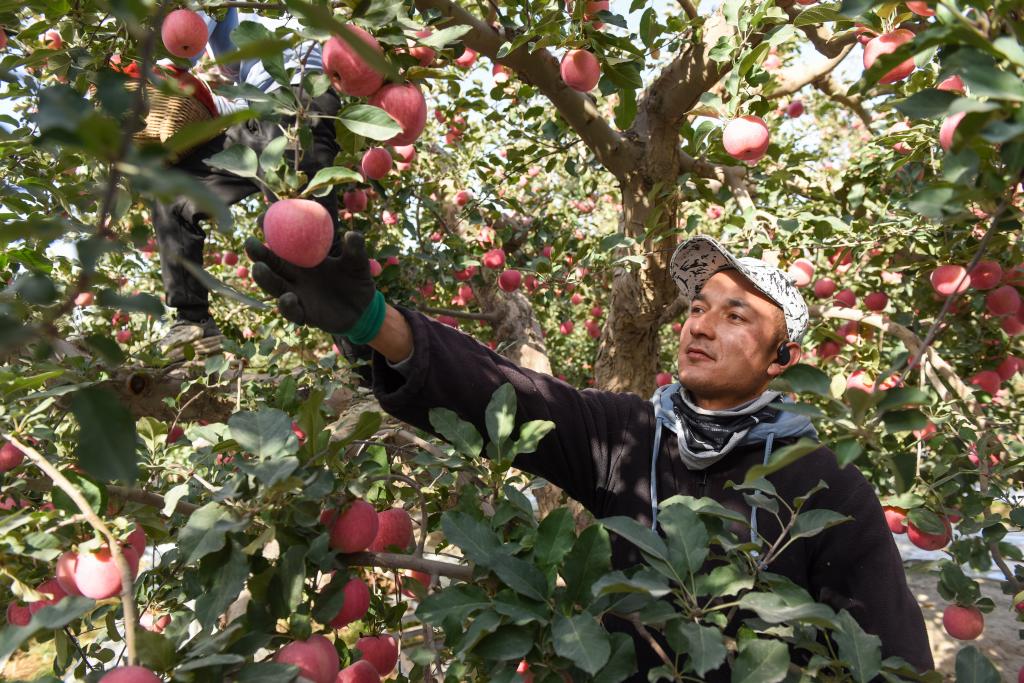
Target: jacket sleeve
(452, 370)
(857, 566)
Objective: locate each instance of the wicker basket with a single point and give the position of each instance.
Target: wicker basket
(167, 114)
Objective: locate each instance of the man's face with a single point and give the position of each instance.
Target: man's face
(727, 343)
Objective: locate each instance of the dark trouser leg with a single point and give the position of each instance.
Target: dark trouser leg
(180, 236)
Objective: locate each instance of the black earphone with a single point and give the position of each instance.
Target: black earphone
(783, 353)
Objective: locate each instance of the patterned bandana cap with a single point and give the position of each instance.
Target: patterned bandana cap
(700, 257)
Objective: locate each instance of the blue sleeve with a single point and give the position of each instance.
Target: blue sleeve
(219, 42)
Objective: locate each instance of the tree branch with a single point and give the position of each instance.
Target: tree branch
(113, 544)
(793, 79)
(397, 561)
(827, 85)
(824, 41)
(689, 8)
(485, 317)
(541, 69)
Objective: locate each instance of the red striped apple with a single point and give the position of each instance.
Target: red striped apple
(885, 44)
(348, 72)
(184, 33)
(298, 230)
(746, 138)
(354, 529)
(404, 102)
(580, 70)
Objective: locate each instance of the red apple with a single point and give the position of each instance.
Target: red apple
(948, 128)
(801, 272)
(510, 280)
(952, 84)
(424, 54)
(500, 73)
(580, 70)
(380, 651)
(376, 163)
(987, 380)
(96, 575)
(316, 658)
(18, 615)
(950, 279)
(986, 275)
(358, 672)
(53, 590)
(123, 336)
(1010, 366)
(462, 197)
(298, 230)
(876, 301)
(846, 298)
(84, 299)
(795, 109)
(963, 623)
(921, 9)
(1003, 301)
(927, 541)
(885, 44)
(10, 457)
(394, 533)
(355, 200)
(348, 72)
(896, 518)
(3, 39)
(404, 102)
(566, 327)
(357, 602)
(53, 41)
(467, 58)
(663, 378)
(65, 572)
(824, 288)
(746, 138)
(354, 529)
(130, 674)
(494, 259)
(184, 33)
(375, 268)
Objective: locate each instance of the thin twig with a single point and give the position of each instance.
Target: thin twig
(460, 572)
(113, 544)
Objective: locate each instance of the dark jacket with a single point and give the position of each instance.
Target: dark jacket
(600, 454)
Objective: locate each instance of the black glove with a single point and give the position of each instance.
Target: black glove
(332, 296)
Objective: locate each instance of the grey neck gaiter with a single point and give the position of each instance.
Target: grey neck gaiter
(707, 436)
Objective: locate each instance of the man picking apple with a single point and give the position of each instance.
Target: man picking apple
(620, 455)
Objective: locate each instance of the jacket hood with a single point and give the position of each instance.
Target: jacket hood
(786, 425)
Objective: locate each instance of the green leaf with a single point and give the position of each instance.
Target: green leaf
(481, 626)
(819, 14)
(462, 435)
(637, 534)
(520, 576)
(369, 121)
(266, 433)
(974, 667)
(555, 536)
(201, 131)
(589, 559)
(222, 659)
(455, 603)
(507, 642)
(927, 103)
(328, 177)
(621, 661)
(703, 645)
(646, 582)
(330, 599)
(857, 8)
(136, 303)
(862, 651)
(530, 435)
(477, 541)
(107, 439)
(982, 76)
(206, 530)
(500, 414)
(897, 421)
(761, 661)
(902, 396)
(813, 522)
(214, 285)
(781, 458)
(221, 592)
(291, 572)
(686, 537)
(581, 639)
(519, 609)
(803, 378)
(366, 426)
(776, 609)
(48, 618)
(445, 36)
(267, 672)
(723, 581)
(237, 159)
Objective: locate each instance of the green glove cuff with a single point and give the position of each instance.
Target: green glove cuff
(369, 324)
